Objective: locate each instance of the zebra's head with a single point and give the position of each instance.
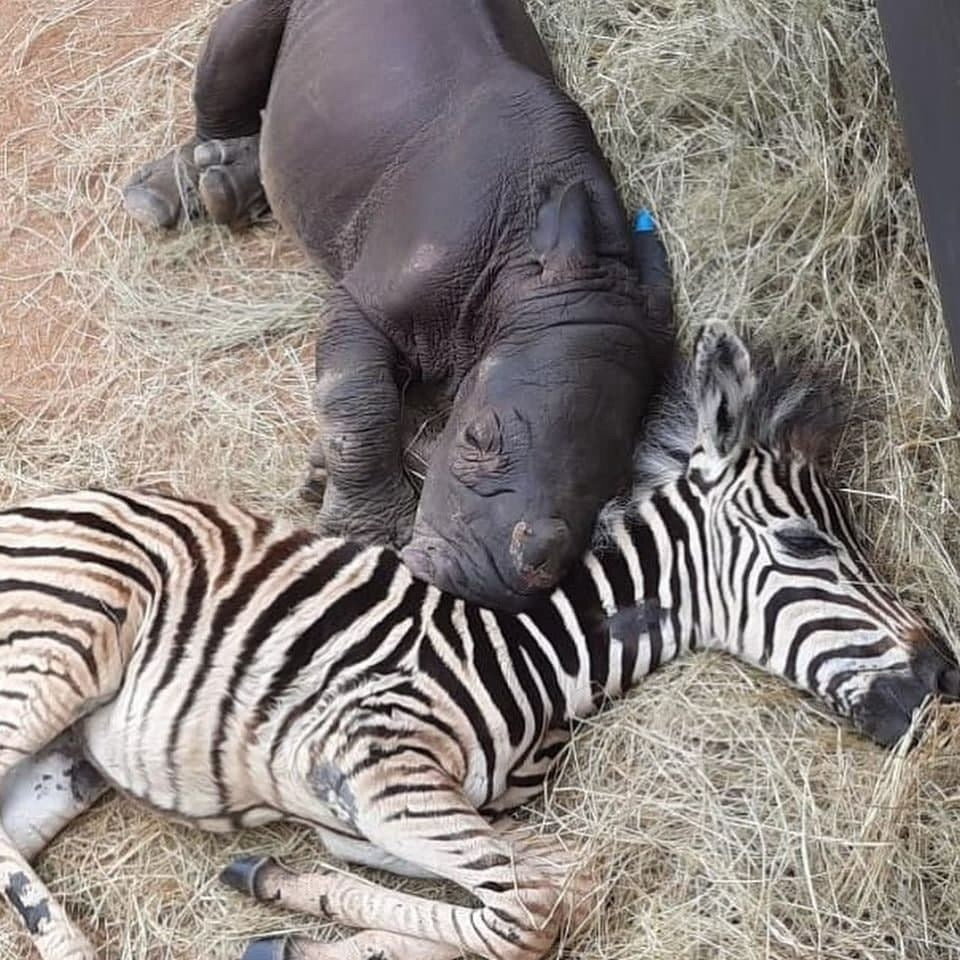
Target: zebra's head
(787, 583)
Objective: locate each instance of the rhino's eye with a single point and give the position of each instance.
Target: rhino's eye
(804, 543)
(482, 436)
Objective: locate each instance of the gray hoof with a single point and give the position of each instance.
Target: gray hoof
(242, 874)
(232, 196)
(384, 517)
(268, 948)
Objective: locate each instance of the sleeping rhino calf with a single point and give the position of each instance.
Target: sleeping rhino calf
(423, 154)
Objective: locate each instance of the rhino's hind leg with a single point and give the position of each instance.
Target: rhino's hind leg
(45, 792)
(229, 184)
(218, 178)
(230, 91)
(164, 193)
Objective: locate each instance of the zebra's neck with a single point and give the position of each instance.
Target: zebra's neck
(639, 600)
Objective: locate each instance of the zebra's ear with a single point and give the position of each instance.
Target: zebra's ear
(724, 387)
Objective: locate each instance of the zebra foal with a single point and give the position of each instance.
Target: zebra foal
(229, 670)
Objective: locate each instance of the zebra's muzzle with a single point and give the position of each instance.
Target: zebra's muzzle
(886, 710)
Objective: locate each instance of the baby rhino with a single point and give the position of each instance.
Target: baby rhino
(423, 154)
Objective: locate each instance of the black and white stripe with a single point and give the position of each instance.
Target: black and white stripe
(231, 670)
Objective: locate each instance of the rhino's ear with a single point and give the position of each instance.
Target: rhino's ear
(725, 385)
(565, 234)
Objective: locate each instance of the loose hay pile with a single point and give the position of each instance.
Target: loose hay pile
(734, 821)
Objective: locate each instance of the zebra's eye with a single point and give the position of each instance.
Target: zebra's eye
(804, 543)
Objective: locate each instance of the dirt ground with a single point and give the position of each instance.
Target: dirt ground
(732, 820)
(44, 46)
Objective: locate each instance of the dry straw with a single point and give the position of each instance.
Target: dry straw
(731, 818)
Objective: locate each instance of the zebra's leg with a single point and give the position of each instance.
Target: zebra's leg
(45, 792)
(369, 945)
(361, 852)
(54, 935)
(337, 896)
(54, 668)
(532, 888)
(528, 890)
(526, 780)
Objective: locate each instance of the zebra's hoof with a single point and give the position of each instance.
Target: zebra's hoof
(242, 875)
(268, 948)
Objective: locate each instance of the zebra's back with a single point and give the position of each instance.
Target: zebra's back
(249, 637)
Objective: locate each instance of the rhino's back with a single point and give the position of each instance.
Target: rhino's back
(361, 84)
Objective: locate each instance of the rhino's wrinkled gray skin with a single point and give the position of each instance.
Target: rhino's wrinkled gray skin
(422, 153)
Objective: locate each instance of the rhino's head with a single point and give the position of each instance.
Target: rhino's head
(542, 429)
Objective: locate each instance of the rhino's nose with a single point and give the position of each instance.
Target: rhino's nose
(540, 552)
(420, 562)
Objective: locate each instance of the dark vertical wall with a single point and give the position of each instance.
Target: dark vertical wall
(923, 47)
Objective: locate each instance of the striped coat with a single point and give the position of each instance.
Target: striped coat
(229, 670)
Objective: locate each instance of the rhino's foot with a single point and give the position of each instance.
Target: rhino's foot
(164, 193)
(381, 519)
(315, 481)
(229, 184)
(314, 485)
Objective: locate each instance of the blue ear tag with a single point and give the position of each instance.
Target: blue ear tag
(644, 222)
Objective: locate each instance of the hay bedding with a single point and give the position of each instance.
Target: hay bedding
(734, 822)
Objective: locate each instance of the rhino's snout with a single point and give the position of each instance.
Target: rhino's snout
(420, 562)
(540, 552)
(538, 555)
(434, 561)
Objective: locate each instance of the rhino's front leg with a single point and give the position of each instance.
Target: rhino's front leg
(357, 457)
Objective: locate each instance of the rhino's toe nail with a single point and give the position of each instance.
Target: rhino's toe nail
(218, 194)
(207, 153)
(149, 208)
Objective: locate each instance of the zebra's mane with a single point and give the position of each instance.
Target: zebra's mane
(796, 406)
